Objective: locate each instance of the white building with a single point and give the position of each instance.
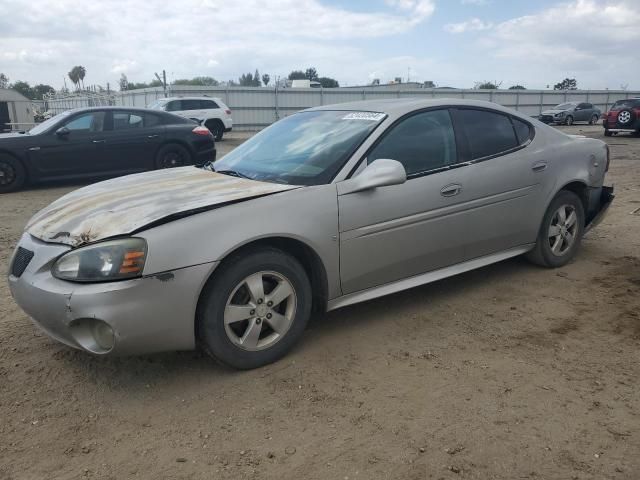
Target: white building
(16, 111)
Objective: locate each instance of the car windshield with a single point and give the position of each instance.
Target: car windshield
(307, 148)
(564, 106)
(44, 126)
(158, 104)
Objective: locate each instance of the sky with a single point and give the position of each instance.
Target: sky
(450, 42)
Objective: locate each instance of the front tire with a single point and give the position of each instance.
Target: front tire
(594, 120)
(254, 309)
(12, 174)
(569, 121)
(560, 233)
(216, 127)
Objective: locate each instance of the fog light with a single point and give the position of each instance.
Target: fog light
(103, 335)
(93, 335)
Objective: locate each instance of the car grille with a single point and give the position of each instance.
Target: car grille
(21, 261)
(546, 118)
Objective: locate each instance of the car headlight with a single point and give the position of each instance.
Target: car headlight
(561, 114)
(103, 262)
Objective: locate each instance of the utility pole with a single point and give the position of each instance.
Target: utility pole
(163, 81)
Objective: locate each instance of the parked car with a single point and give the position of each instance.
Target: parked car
(103, 141)
(568, 113)
(328, 207)
(208, 111)
(623, 116)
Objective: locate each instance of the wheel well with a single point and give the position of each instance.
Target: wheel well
(307, 257)
(17, 159)
(582, 191)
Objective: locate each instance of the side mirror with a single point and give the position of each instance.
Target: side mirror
(63, 132)
(381, 173)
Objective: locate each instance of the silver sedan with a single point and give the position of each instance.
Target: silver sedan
(328, 207)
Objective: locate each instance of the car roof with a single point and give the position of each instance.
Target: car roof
(401, 106)
(114, 108)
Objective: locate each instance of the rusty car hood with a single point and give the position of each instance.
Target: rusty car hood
(127, 204)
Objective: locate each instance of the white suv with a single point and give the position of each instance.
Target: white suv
(208, 111)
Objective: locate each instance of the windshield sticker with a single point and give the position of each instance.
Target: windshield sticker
(369, 116)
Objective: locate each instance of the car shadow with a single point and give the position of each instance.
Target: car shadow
(138, 372)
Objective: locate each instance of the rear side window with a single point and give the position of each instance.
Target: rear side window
(422, 142)
(130, 120)
(625, 104)
(190, 104)
(208, 104)
(523, 130)
(488, 133)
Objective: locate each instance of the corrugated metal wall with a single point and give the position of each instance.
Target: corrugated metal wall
(256, 107)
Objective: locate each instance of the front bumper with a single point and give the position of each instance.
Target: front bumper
(599, 203)
(149, 314)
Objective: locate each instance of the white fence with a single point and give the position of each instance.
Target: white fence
(257, 107)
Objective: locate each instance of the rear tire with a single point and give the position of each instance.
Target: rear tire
(560, 233)
(216, 127)
(12, 174)
(607, 133)
(241, 320)
(172, 155)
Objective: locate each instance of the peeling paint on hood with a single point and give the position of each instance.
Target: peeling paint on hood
(124, 205)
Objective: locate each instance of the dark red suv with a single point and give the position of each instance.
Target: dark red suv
(623, 116)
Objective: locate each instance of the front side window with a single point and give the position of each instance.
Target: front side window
(306, 148)
(488, 133)
(174, 106)
(87, 122)
(422, 142)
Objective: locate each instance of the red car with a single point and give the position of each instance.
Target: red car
(623, 116)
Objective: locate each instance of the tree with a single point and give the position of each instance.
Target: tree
(81, 74)
(246, 80)
(4, 81)
(327, 82)
(297, 75)
(487, 85)
(517, 87)
(41, 90)
(566, 84)
(311, 73)
(204, 81)
(256, 79)
(123, 82)
(375, 81)
(74, 76)
(429, 84)
(23, 88)
(265, 79)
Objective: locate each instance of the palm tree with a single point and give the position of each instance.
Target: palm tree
(74, 77)
(81, 74)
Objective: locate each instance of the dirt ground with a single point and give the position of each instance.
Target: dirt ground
(508, 372)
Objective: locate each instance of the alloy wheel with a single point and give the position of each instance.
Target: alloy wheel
(260, 310)
(172, 159)
(563, 230)
(7, 174)
(624, 117)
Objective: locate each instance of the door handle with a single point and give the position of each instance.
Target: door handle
(539, 167)
(450, 190)
(98, 141)
(153, 136)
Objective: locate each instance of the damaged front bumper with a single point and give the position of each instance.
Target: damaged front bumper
(144, 315)
(599, 203)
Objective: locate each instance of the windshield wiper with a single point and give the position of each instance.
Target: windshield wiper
(233, 173)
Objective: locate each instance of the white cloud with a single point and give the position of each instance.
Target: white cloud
(195, 37)
(475, 24)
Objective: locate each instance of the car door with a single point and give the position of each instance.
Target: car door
(583, 112)
(503, 183)
(133, 140)
(191, 108)
(389, 233)
(75, 150)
